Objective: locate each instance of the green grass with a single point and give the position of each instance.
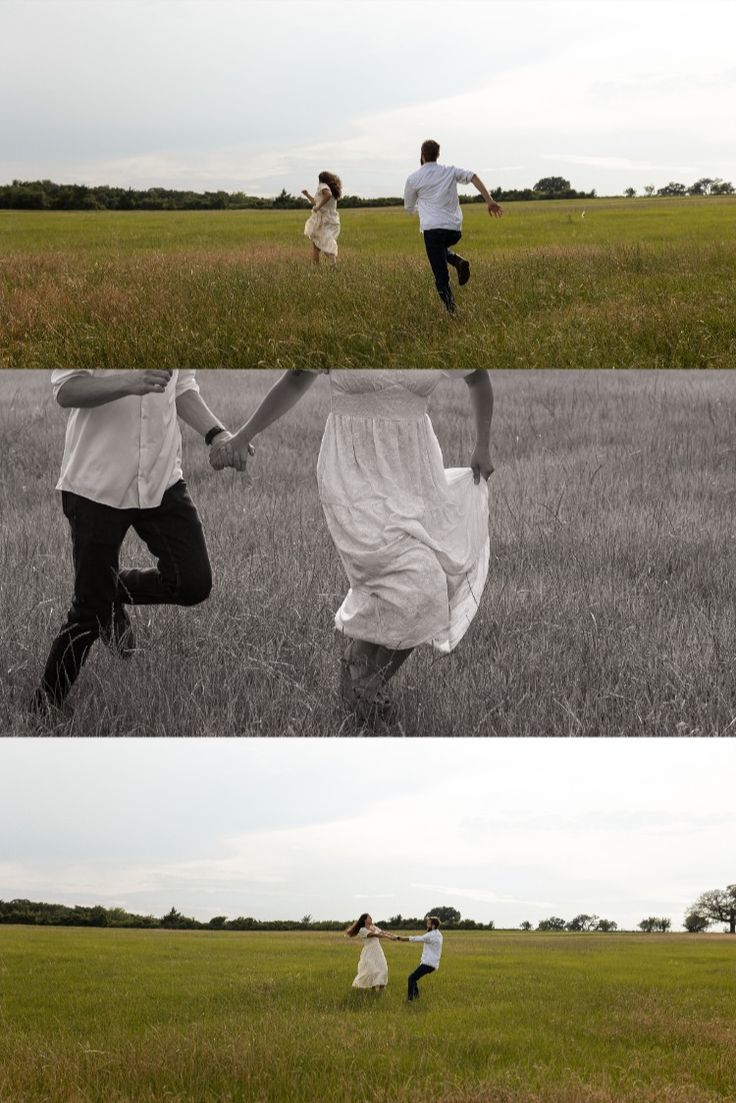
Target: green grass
(608, 612)
(571, 284)
(112, 1016)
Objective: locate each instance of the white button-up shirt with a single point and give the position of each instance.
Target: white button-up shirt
(432, 190)
(125, 453)
(432, 947)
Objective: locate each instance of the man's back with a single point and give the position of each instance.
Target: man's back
(432, 190)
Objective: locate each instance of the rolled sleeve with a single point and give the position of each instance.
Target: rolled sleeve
(464, 176)
(62, 375)
(410, 198)
(186, 380)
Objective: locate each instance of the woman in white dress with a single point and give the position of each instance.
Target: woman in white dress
(412, 536)
(323, 225)
(372, 965)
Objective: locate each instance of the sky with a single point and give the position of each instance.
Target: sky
(260, 96)
(508, 830)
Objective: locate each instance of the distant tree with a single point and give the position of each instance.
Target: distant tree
(695, 923)
(672, 188)
(649, 189)
(395, 920)
(552, 185)
(217, 922)
(701, 187)
(449, 916)
(305, 920)
(722, 187)
(717, 906)
(582, 923)
(655, 923)
(98, 916)
(554, 923)
(526, 925)
(606, 925)
(630, 193)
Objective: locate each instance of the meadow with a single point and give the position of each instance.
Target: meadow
(609, 609)
(572, 284)
(109, 1016)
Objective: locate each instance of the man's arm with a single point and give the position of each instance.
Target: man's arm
(493, 207)
(192, 408)
(86, 391)
(410, 197)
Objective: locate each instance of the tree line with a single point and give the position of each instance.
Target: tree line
(46, 195)
(711, 907)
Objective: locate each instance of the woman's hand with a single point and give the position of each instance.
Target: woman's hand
(480, 463)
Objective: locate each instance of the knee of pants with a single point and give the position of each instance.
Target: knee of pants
(194, 589)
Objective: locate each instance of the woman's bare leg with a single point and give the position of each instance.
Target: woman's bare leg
(315, 254)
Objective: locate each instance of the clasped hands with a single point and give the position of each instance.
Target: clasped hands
(228, 451)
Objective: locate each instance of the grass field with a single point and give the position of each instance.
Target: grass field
(571, 284)
(609, 609)
(114, 1016)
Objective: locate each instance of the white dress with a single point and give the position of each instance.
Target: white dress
(413, 537)
(372, 966)
(323, 226)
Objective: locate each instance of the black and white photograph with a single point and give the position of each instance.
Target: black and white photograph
(368, 553)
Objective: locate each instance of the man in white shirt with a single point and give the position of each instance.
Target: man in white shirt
(431, 954)
(122, 469)
(432, 191)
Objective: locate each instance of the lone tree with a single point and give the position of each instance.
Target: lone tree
(448, 916)
(551, 185)
(554, 923)
(715, 906)
(526, 925)
(630, 193)
(655, 923)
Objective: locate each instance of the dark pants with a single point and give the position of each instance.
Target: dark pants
(173, 533)
(419, 972)
(437, 243)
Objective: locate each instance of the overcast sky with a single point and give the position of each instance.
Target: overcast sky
(502, 830)
(257, 96)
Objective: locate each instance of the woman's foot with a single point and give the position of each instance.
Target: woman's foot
(363, 684)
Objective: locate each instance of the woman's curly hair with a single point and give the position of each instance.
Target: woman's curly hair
(334, 183)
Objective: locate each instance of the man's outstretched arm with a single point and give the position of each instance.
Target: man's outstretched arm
(494, 208)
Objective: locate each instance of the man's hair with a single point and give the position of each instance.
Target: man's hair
(430, 150)
(436, 923)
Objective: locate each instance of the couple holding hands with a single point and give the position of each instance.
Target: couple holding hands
(412, 536)
(373, 967)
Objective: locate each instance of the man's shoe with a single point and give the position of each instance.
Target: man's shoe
(463, 272)
(44, 708)
(118, 635)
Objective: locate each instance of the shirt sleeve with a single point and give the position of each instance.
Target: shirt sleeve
(186, 380)
(420, 937)
(60, 376)
(464, 176)
(410, 197)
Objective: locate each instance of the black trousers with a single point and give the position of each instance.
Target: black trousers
(437, 243)
(173, 533)
(419, 972)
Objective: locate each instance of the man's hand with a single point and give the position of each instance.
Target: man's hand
(148, 382)
(227, 451)
(495, 209)
(481, 465)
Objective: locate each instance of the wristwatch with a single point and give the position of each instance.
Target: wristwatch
(212, 433)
